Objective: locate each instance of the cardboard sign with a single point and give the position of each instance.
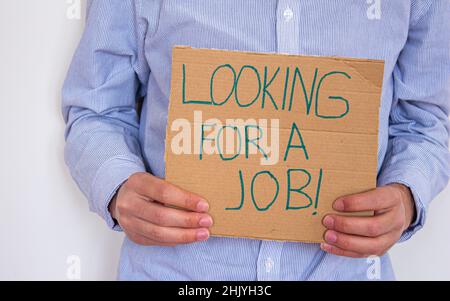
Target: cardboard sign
(272, 140)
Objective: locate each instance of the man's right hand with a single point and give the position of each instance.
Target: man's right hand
(141, 207)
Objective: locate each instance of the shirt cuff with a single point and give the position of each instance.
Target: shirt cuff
(110, 176)
(415, 181)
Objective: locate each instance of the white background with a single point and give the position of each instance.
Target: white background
(44, 219)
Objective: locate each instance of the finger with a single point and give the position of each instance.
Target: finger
(340, 252)
(170, 217)
(169, 194)
(169, 235)
(359, 244)
(377, 199)
(372, 226)
(144, 241)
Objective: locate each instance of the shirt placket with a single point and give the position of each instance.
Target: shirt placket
(269, 259)
(288, 29)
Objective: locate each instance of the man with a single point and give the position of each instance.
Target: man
(117, 157)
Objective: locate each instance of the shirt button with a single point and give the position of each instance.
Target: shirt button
(288, 14)
(269, 265)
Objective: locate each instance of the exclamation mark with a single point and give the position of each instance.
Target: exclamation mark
(319, 183)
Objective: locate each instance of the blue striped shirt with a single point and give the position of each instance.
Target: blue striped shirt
(126, 51)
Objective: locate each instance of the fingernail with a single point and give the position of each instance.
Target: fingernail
(202, 235)
(339, 205)
(203, 206)
(328, 222)
(325, 247)
(331, 237)
(205, 222)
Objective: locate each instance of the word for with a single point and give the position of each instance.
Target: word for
(228, 139)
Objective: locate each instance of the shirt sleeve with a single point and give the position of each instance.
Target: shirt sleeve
(418, 154)
(107, 74)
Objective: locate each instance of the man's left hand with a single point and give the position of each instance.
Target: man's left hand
(362, 236)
